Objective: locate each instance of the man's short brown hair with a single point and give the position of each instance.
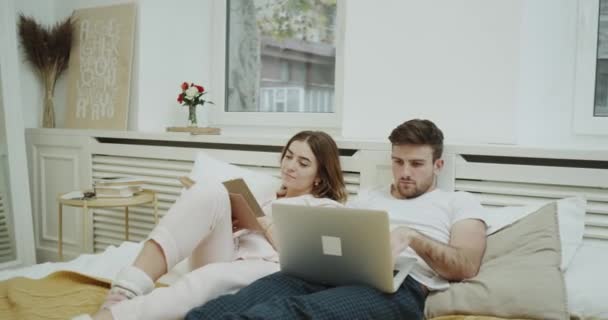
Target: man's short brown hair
(419, 132)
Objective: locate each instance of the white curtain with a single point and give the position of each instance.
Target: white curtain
(244, 62)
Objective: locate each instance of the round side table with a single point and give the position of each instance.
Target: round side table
(146, 196)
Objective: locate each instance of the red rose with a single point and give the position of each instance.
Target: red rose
(184, 86)
(200, 88)
(180, 98)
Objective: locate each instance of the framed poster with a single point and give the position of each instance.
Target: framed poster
(99, 71)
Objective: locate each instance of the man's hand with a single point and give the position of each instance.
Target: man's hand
(401, 238)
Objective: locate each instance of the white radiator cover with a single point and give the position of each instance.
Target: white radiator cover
(7, 247)
(7, 241)
(65, 160)
(509, 187)
(162, 177)
(521, 184)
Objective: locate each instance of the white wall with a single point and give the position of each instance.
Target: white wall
(451, 61)
(12, 125)
(547, 75)
(173, 48)
(31, 87)
(486, 71)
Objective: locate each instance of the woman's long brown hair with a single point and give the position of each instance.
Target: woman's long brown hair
(329, 170)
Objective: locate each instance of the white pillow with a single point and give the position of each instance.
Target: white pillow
(586, 282)
(263, 186)
(571, 218)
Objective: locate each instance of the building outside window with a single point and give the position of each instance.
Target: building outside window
(591, 74)
(280, 56)
(601, 75)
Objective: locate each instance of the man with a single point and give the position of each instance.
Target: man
(445, 230)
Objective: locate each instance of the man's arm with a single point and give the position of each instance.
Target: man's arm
(459, 259)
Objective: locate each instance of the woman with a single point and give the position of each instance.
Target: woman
(224, 258)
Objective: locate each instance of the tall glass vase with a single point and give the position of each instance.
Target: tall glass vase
(48, 108)
(192, 117)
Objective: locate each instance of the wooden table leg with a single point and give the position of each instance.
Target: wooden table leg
(85, 216)
(60, 235)
(127, 223)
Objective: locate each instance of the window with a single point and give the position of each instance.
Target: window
(601, 72)
(277, 62)
(591, 86)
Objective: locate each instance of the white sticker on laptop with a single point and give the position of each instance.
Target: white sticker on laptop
(331, 245)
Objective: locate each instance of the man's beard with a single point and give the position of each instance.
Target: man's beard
(414, 190)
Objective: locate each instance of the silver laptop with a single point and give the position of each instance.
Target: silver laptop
(338, 246)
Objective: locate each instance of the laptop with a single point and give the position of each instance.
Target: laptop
(338, 246)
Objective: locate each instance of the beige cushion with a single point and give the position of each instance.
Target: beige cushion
(519, 275)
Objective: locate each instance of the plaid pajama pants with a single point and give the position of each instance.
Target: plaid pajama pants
(279, 296)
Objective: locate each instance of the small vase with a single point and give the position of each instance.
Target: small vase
(48, 112)
(192, 117)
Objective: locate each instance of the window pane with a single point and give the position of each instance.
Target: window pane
(280, 55)
(601, 72)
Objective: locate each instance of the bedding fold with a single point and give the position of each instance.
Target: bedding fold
(60, 295)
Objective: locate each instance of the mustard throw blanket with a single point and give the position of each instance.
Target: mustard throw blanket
(60, 295)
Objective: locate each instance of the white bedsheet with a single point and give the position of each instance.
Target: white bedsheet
(102, 265)
(587, 281)
(586, 278)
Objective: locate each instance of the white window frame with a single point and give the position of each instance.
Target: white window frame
(270, 119)
(19, 204)
(586, 61)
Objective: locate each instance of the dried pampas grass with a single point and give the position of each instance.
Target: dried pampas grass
(48, 51)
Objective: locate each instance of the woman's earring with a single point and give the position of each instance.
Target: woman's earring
(316, 184)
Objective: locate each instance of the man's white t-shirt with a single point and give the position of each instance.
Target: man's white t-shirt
(433, 214)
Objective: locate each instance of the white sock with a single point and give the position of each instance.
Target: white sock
(132, 282)
(82, 317)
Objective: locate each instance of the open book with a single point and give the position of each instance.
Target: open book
(245, 207)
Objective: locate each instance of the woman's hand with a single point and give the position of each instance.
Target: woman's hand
(266, 223)
(282, 191)
(242, 215)
(235, 225)
(239, 208)
(186, 182)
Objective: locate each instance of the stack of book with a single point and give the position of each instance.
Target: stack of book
(117, 187)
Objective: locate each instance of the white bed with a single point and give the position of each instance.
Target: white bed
(586, 278)
(498, 175)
